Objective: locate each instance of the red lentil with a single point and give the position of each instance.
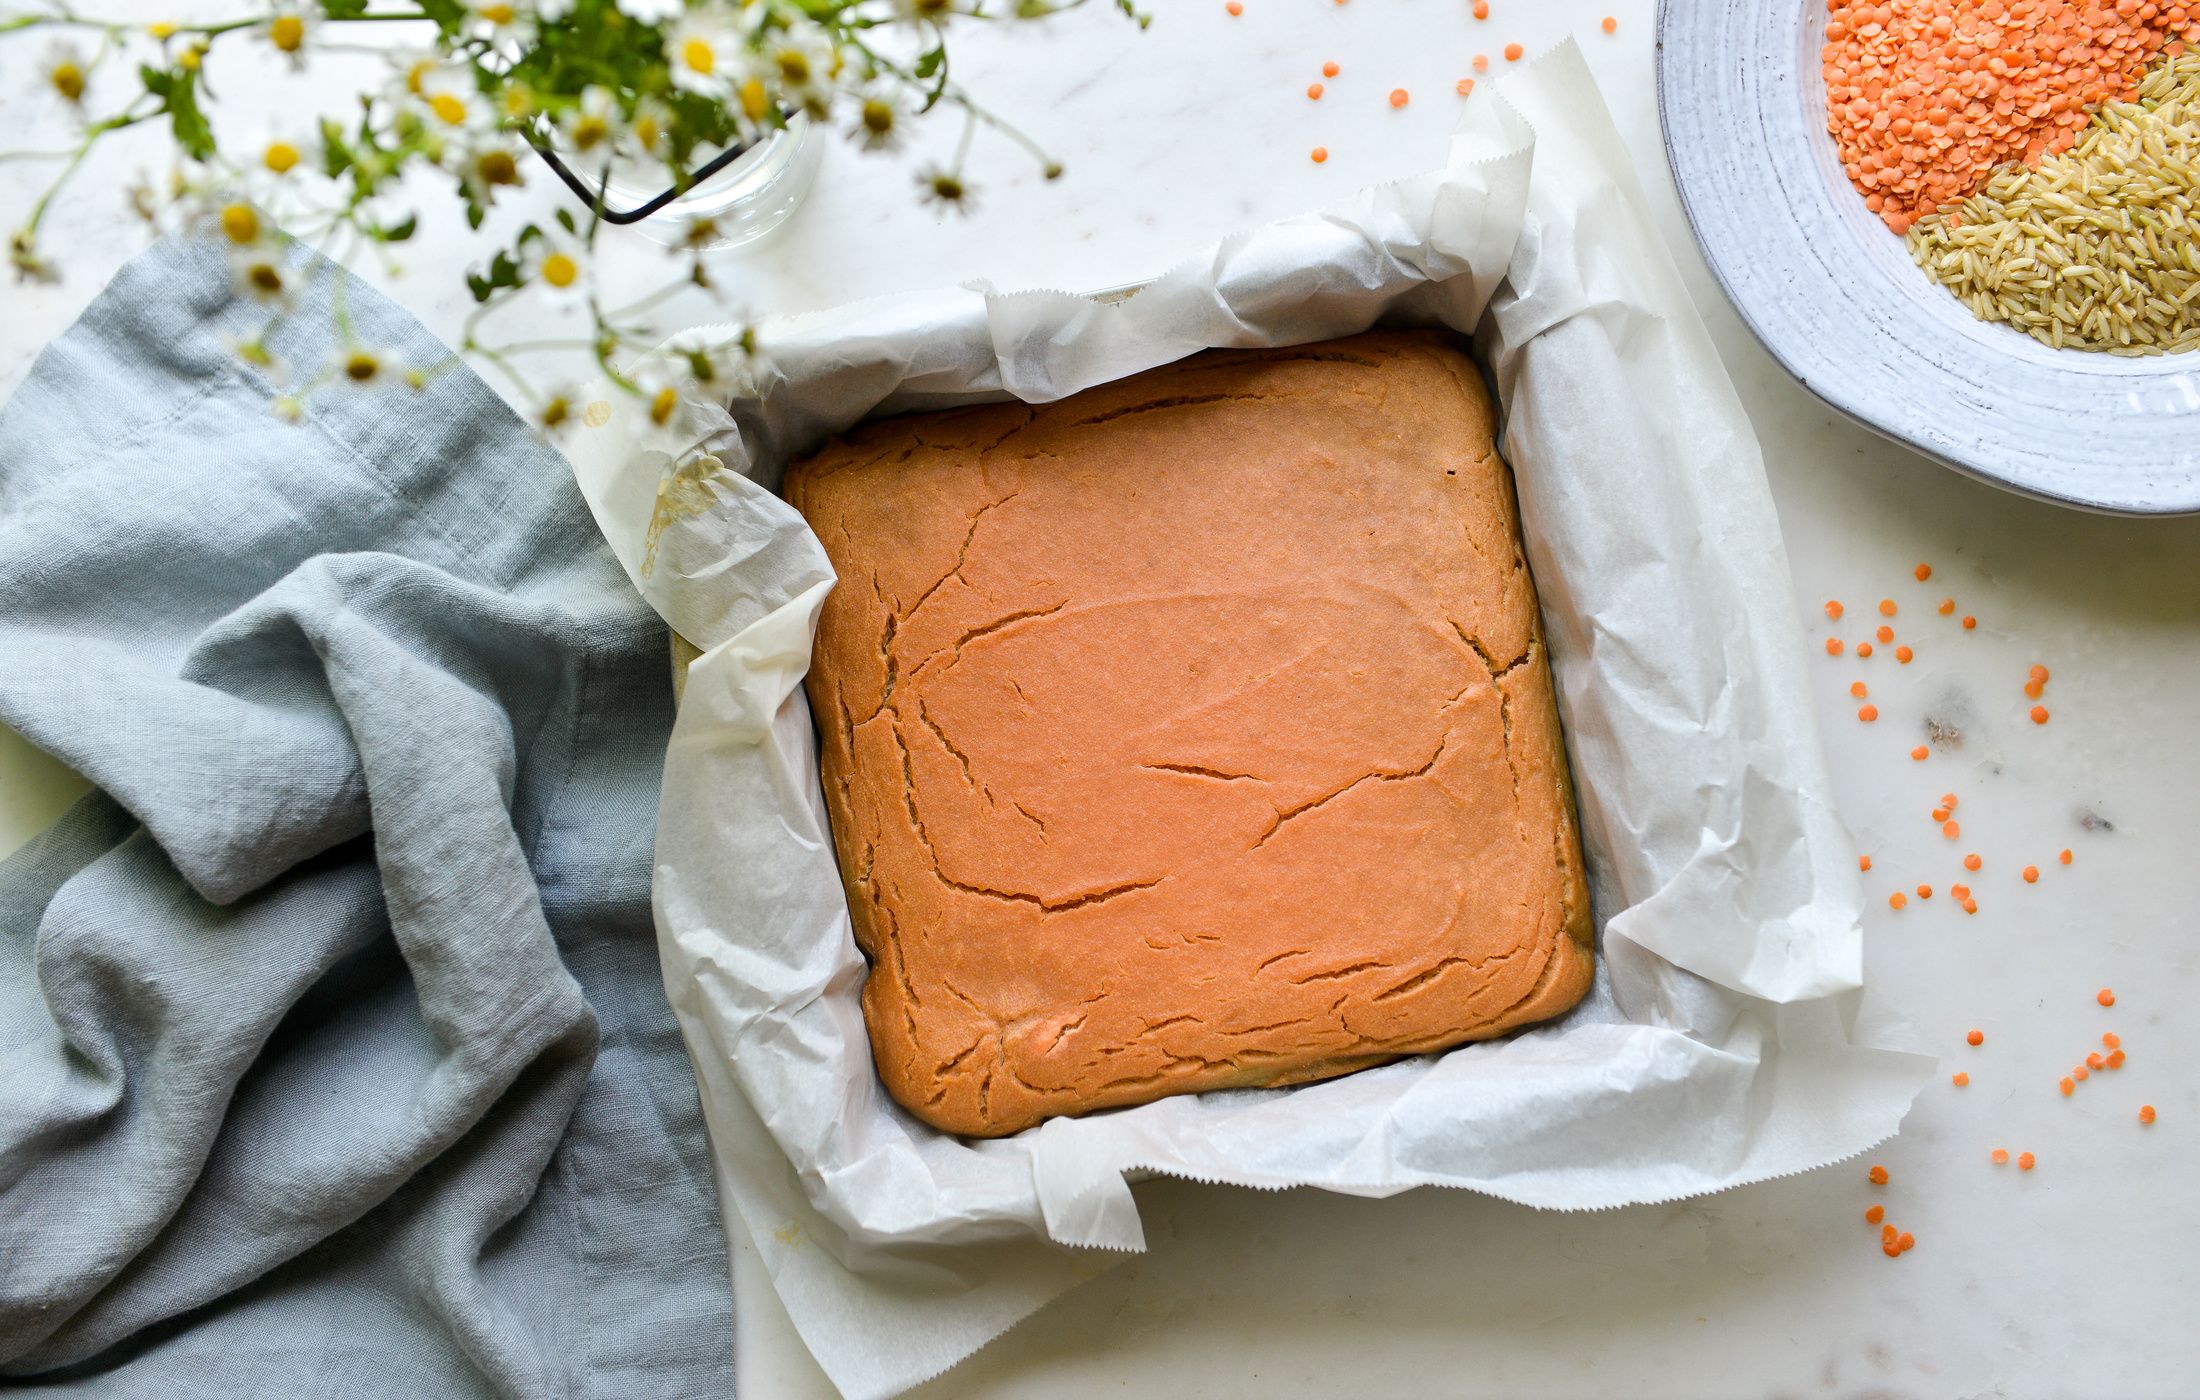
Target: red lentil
(1897, 900)
(1924, 891)
(2105, 997)
(1969, 622)
(1834, 609)
(2039, 714)
(2111, 1040)
(1465, 88)
(1330, 69)
(1863, 862)
(2031, 874)
(2115, 1059)
(1885, 634)
(2064, 857)
(2146, 1114)
(1947, 606)
(1975, 1038)
(1398, 97)
(1867, 713)
(1878, 1176)
(1886, 607)
(1920, 753)
(1972, 862)
(2025, 1161)
(1863, 648)
(1874, 1214)
(1923, 572)
(1314, 91)
(1924, 98)
(1319, 154)
(1833, 644)
(2001, 1156)
(1904, 655)
(1961, 1079)
(1611, 25)
(1858, 689)
(2069, 1086)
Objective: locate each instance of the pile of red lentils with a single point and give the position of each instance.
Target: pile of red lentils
(1926, 98)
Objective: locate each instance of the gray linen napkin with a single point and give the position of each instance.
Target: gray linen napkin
(334, 1058)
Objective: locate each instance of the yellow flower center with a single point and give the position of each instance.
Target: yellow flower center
(189, 59)
(518, 101)
(360, 367)
(878, 116)
(698, 55)
(265, 277)
(287, 32)
(496, 13)
(252, 352)
(448, 107)
(589, 130)
(646, 132)
(416, 75)
(559, 270)
(794, 68)
(240, 223)
(279, 157)
(753, 101)
(161, 29)
(498, 168)
(68, 80)
(555, 411)
(660, 407)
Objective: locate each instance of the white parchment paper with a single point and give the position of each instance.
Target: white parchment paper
(1727, 1038)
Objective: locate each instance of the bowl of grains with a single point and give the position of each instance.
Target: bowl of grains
(1971, 225)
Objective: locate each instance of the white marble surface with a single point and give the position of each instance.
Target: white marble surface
(2076, 1279)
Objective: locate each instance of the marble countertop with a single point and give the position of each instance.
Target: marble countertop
(2078, 1278)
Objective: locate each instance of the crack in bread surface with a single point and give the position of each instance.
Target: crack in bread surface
(1140, 820)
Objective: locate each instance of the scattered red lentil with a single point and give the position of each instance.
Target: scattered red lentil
(1330, 69)
(2031, 874)
(1947, 606)
(1970, 905)
(1897, 900)
(2032, 690)
(1863, 648)
(1940, 813)
(1923, 572)
(2146, 1114)
(1972, 861)
(1886, 607)
(1833, 609)
(1885, 633)
(2064, 857)
(1878, 1176)
(2069, 1086)
(1314, 91)
(1874, 1214)
(1398, 97)
(1889, 1233)
(1859, 689)
(1925, 98)
(1920, 753)
(2039, 714)
(2001, 1156)
(2037, 673)
(1969, 622)
(2081, 1074)
(1904, 655)
(1465, 88)
(1975, 1038)
(2115, 1059)
(2105, 997)
(1948, 800)
(1863, 862)
(2111, 1039)
(1611, 25)
(1319, 154)
(1961, 1079)
(1513, 53)
(1907, 1243)
(1951, 829)
(1960, 891)
(2096, 1060)
(1924, 891)
(1481, 9)
(1833, 644)
(2025, 1161)
(1482, 65)
(1891, 1248)
(1234, 8)
(1867, 713)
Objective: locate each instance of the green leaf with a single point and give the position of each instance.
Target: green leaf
(397, 232)
(343, 9)
(336, 156)
(188, 122)
(929, 62)
(565, 220)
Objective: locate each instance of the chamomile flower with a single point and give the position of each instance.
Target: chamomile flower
(593, 123)
(371, 367)
(878, 125)
(924, 11)
(67, 72)
(646, 134)
(259, 272)
(703, 52)
(500, 22)
(944, 189)
(553, 262)
(454, 104)
(484, 164)
(650, 11)
(288, 31)
(798, 63)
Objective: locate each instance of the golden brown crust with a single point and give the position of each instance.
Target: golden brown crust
(1191, 733)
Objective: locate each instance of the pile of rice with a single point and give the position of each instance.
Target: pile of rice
(2098, 248)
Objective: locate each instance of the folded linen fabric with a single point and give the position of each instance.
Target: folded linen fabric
(334, 1057)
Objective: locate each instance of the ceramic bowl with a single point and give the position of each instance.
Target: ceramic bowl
(1835, 298)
